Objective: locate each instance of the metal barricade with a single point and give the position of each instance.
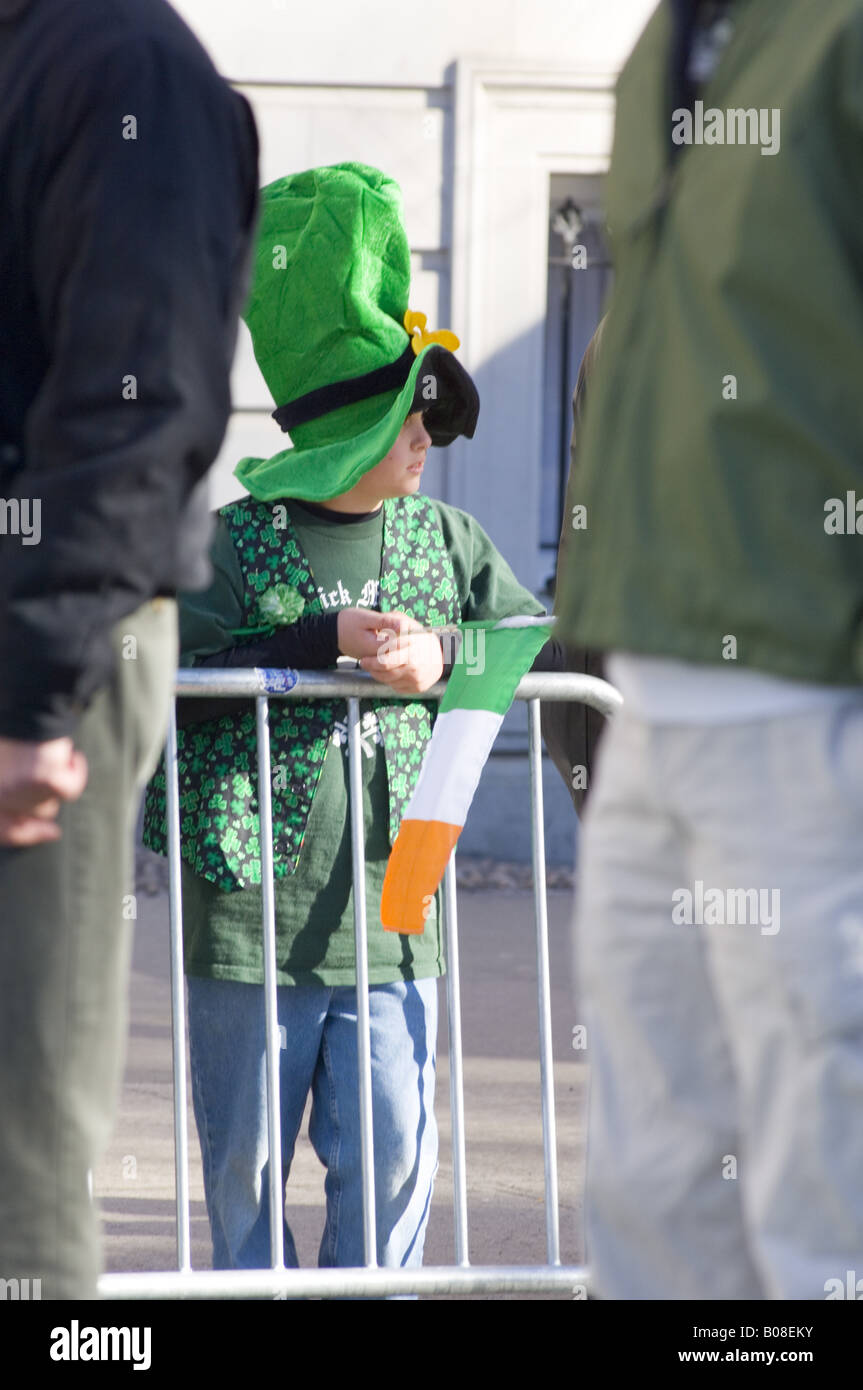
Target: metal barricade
(370, 1281)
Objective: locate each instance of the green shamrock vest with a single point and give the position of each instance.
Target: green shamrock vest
(219, 826)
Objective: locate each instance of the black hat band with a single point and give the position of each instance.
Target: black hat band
(358, 388)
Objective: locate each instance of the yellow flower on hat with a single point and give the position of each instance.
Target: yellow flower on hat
(416, 326)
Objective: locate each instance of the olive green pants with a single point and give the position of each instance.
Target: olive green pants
(65, 925)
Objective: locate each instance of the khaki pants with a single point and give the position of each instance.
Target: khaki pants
(725, 1130)
(64, 953)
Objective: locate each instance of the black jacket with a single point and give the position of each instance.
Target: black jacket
(128, 176)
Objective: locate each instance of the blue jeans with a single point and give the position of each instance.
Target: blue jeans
(319, 1054)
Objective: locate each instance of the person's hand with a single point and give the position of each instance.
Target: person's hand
(34, 779)
(409, 657)
(359, 631)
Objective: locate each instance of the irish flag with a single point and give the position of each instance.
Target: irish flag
(478, 695)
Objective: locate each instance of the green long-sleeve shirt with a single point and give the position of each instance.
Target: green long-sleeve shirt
(314, 906)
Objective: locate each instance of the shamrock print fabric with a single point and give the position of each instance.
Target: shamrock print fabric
(219, 826)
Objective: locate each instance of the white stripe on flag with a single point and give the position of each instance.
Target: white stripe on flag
(460, 744)
(547, 620)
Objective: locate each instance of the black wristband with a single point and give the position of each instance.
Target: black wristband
(310, 644)
(551, 657)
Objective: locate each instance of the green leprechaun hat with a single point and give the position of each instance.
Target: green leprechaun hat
(345, 359)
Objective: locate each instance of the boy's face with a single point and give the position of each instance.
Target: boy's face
(399, 474)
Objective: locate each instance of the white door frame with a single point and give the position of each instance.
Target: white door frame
(514, 127)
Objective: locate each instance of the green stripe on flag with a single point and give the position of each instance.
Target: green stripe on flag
(497, 662)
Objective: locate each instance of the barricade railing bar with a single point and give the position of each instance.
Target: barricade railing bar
(370, 1281)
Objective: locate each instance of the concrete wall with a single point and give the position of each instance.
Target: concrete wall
(381, 42)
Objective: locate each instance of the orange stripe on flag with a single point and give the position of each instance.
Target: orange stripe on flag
(415, 869)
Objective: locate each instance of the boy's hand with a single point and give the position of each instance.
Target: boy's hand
(34, 779)
(409, 657)
(358, 630)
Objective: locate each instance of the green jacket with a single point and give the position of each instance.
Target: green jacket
(728, 411)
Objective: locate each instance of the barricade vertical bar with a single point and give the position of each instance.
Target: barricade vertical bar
(546, 1056)
(271, 1013)
(364, 1051)
(178, 1000)
(456, 1075)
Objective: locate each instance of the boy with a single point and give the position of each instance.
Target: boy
(334, 549)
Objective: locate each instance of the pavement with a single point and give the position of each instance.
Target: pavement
(134, 1184)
